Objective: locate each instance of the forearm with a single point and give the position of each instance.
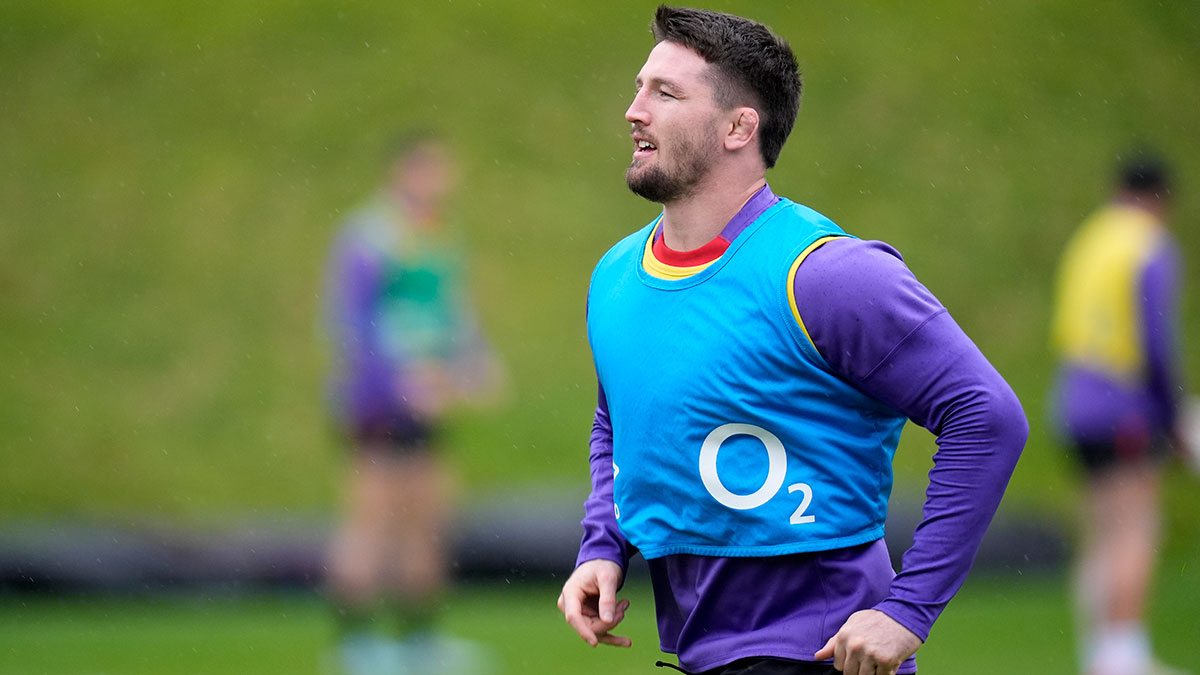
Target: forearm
(364, 382)
(965, 489)
(602, 536)
(1160, 335)
(351, 287)
(880, 329)
(981, 431)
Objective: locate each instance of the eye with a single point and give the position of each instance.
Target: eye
(665, 94)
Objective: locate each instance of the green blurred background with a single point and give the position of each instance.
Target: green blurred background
(173, 174)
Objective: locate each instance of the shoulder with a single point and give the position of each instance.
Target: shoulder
(631, 244)
(1167, 248)
(369, 224)
(849, 270)
(857, 299)
(794, 219)
(1160, 270)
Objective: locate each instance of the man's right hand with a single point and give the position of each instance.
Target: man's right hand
(589, 602)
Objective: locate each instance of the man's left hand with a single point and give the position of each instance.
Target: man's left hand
(869, 643)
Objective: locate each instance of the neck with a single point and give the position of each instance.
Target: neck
(1148, 203)
(417, 212)
(693, 221)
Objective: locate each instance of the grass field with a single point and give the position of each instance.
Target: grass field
(171, 174)
(996, 626)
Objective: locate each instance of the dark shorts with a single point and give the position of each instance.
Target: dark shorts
(757, 666)
(1097, 457)
(769, 666)
(400, 433)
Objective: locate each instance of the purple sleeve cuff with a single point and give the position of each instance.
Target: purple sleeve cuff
(904, 614)
(881, 330)
(602, 538)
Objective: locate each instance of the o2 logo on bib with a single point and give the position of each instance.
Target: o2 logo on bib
(776, 471)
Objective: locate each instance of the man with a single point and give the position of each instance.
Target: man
(744, 343)
(405, 348)
(1118, 391)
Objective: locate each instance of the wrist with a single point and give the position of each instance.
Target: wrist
(907, 615)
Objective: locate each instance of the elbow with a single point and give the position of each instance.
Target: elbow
(992, 420)
(1011, 424)
(1016, 412)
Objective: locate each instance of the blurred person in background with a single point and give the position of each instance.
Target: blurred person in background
(739, 322)
(1118, 393)
(406, 348)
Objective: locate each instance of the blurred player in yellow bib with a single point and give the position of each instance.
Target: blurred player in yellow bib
(1118, 392)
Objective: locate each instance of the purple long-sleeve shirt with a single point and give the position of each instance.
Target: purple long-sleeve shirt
(882, 331)
(363, 387)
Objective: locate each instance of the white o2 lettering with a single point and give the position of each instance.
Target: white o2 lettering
(798, 517)
(776, 466)
(616, 509)
(776, 472)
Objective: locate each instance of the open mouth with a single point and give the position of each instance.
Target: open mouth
(643, 148)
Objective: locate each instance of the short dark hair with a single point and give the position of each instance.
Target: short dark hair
(750, 66)
(1144, 172)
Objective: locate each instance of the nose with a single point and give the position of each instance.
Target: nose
(636, 113)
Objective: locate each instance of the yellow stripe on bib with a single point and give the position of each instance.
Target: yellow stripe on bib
(791, 282)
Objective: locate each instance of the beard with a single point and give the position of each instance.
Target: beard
(662, 184)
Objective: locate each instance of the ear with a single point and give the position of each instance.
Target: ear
(743, 128)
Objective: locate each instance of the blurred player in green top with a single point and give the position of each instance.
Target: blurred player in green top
(406, 347)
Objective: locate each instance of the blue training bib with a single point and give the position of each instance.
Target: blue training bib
(730, 435)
